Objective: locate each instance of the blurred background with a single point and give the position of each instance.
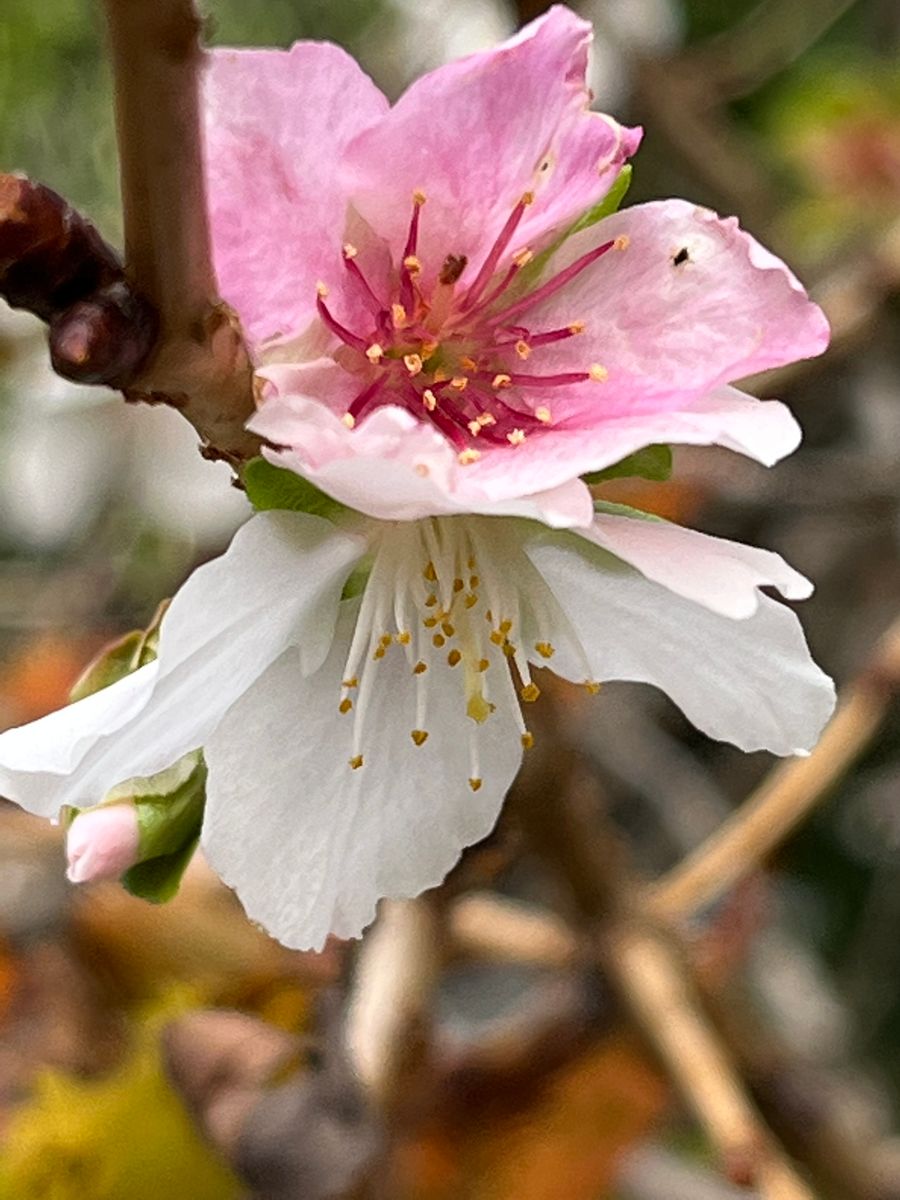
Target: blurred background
(121, 1074)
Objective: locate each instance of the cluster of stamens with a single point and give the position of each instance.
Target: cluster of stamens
(427, 600)
(452, 356)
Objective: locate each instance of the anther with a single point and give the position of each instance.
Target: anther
(356, 761)
(597, 373)
(429, 573)
(622, 242)
(419, 197)
(483, 664)
(350, 251)
(419, 736)
(420, 668)
(523, 257)
(468, 364)
(430, 600)
(486, 419)
(522, 349)
(439, 640)
(404, 638)
(398, 315)
(475, 784)
(467, 457)
(474, 581)
(543, 414)
(474, 427)
(471, 600)
(505, 626)
(544, 649)
(345, 705)
(448, 629)
(516, 437)
(454, 658)
(577, 327)
(501, 381)
(429, 400)
(530, 693)
(375, 353)
(349, 420)
(527, 740)
(527, 198)
(458, 584)
(350, 683)
(591, 687)
(459, 383)
(413, 264)
(321, 289)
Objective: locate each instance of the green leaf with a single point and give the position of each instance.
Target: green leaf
(652, 462)
(605, 208)
(271, 487)
(608, 508)
(169, 809)
(120, 658)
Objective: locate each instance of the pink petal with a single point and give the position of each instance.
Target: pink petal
(690, 303)
(721, 575)
(478, 133)
(277, 123)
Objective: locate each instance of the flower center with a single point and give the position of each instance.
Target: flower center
(463, 609)
(452, 355)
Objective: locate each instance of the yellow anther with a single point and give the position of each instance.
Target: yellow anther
(597, 373)
(420, 668)
(522, 348)
(509, 649)
(419, 197)
(527, 740)
(422, 470)
(474, 582)
(527, 198)
(470, 600)
(356, 761)
(350, 683)
(413, 363)
(454, 658)
(379, 653)
(543, 414)
(475, 784)
(386, 639)
(544, 649)
(497, 637)
(430, 622)
(622, 242)
(439, 640)
(350, 251)
(429, 399)
(345, 705)
(467, 457)
(428, 348)
(478, 708)
(441, 376)
(474, 428)
(530, 692)
(321, 289)
(468, 364)
(404, 638)
(505, 626)
(413, 264)
(430, 573)
(591, 687)
(516, 437)
(577, 327)
(375, 353)
(489, 616)
(523, 257)
(349, 420)
(458, 584)
(430, 600)
(419, 736)
(483, 664)
(448, 629)
(501, 381)
(459, 383)
(486, 419)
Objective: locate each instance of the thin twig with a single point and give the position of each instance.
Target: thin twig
(200, 366)
(788, 796)
(489, 926)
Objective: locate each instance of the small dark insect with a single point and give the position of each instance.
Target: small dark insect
(454, 265)
(681, 257)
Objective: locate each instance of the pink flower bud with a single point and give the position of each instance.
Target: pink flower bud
(102, 843)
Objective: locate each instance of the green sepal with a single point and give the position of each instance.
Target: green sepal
(609, 509)
(120, 658)
(604, 208)
(169, 808)
(269, 487)
(652, 462)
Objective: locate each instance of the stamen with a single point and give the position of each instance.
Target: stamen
(543, 414)
(552, 285)
(356, 761)
(501, 380)
(429, 400)
(516, 437)
(459, 383)
(365, 397)
(527, 740)
(597, 373)
(372, 302)
(489, 266)
(398, 315)
(341, 331)
(413, 363)
(419, 736)
(375, 353)
(468, 456)
(522, 348)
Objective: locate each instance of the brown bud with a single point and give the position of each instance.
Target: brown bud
(105, 338)
(50, 255)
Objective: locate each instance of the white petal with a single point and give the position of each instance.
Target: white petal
(33, 757)
(278, 584)
(721, 575)
(750, 682)
(309, 844)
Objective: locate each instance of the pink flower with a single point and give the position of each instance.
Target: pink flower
(102, 843)
(383, 263)
(349, 678)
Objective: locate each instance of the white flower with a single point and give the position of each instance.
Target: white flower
(356, 745)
